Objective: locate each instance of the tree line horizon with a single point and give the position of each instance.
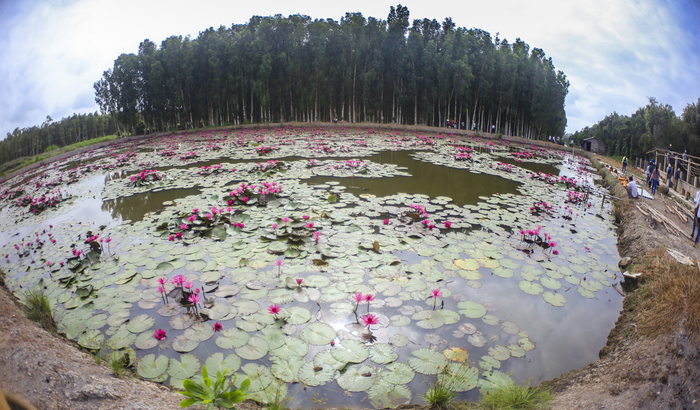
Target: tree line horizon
(275, 69)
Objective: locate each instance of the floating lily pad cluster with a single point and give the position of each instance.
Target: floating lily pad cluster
(296, 249)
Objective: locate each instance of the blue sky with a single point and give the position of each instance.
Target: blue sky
(616, 53)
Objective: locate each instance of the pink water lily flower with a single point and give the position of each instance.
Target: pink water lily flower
(285, 219)
(274, 309)
(162, 281)
(310, 225)
(159, 334)
(386, 222)
(217, 326)
(448, 224)
(368, 297)
(358, 297)
(184, 226)
(299, 280)
(369, 320)
(274, 226)
(436, 293)
(305, 217)
(194, 299)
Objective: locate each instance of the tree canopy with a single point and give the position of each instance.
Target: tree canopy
(276, 69)
(653, 126)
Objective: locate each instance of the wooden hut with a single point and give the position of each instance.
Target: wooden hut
(594, 145)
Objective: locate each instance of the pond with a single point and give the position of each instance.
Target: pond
(348, 268)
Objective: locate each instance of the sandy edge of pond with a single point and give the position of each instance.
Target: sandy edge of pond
(633, 372)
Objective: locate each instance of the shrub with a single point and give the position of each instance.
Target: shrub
(514, 396)
(439, 396)
(39, 308)
(51, 148)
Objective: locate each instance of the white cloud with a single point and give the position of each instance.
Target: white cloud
(615, 53)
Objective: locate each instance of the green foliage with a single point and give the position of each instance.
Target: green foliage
(2, 277)
(514, 396)
(439, 396)
(51, 148)
(220, 392)
(39, 308)
(652, 126)
(358, 69)
(20, 163)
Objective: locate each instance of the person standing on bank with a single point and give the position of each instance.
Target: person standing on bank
(655, 176)
(677, 178)
(695, 214)
(624, 164)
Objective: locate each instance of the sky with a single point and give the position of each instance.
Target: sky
(615, 53)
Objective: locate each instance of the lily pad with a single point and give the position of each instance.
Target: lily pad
(217, 362)
(426, 361)
(459, 377)
(312, 375)
(318, 334)
(183, 345)
(255, 349)
(471, 309)
(140, 323)
(532, 288)
(357, 378)
(91, 339)
(259, 376)
(352, 351)
(554, 299)
(185, 368)
(150, 367)
(382, 353)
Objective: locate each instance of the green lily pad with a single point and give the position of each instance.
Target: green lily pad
(185, 368)
(398, 373)
(429, 319)
(287, 370)
(146, 341)
(500, 353)
(554, 299)
(217, 362)
(459, 377)
(164, 268)
(121, 339)
(200, 332)
(382, 353)
(352, 351)
(140, 323)
(91, 339)
(531, 288)
(259, 376)
(255, 349)
(298, 315)
(232, 338)
(471, 309)
(312, 375)
(149, 367)
(183, 345)
(383, 394)
(494, 380)
(318, 334)
(585, 293)
(399, 340)
(357, 378)
(426, 361)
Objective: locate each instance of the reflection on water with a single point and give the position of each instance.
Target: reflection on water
(134, 207)
(429, 179)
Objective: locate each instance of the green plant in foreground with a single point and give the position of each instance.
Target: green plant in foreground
(439, 396)
(39, 308)
(222, 393)
(515, 396)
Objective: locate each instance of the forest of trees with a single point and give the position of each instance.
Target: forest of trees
(276, 69)
(35, 140)
(653, 126)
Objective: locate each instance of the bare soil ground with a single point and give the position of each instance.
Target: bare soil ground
(634, 371)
